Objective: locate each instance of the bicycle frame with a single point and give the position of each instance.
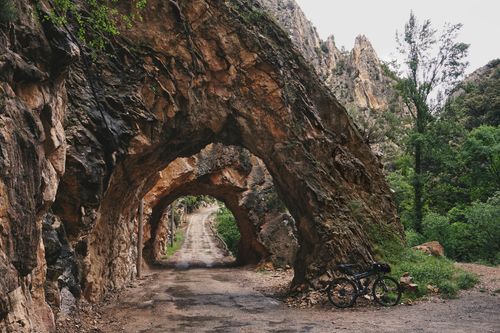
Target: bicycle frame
(384, 289)
(361, 285)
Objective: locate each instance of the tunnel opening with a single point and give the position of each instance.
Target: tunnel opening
(195, 232)
(240, 181)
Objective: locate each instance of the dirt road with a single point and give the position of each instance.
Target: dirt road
(199, 248)
(230, 300)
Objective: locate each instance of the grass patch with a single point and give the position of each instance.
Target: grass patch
(438, 272)
(178, 241)
(228, 229)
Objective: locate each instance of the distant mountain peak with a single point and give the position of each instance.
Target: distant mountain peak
(356, 77)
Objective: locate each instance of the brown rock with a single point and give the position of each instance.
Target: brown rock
(241, 180)
(431, 248)
(406, 281)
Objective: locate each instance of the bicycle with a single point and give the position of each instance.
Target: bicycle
(343, 292)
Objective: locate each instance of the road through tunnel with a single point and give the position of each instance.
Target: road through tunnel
(189, 74)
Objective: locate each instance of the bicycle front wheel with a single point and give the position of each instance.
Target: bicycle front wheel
(386, 291)
(342, 292)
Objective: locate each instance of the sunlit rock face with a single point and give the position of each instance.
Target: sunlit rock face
(184, 77)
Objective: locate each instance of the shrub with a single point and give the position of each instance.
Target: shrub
(466, 280)
(413, 238)
(178, 241)
(426, 270)
(436, 227)
(484, 219)
(468, 233)
(448, 289)
(228, 229)
(461, 244)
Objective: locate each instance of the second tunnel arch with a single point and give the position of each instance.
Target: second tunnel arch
(244, 185)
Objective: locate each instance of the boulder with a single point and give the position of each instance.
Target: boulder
(431, 248)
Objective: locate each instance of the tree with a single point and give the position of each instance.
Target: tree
(432, 65)
(480, 154)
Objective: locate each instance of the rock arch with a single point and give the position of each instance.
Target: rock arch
(190, 74)
(227, 80)
(240, 180)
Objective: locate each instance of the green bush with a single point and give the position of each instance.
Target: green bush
(448, 289)
(178, 241)
(466, 280)
(426, 270)
(469, 233)
(484, 219)
(461, 244)
(435, 227)
(227, 229)
(413, 238)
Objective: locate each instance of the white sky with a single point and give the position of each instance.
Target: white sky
(379, 20)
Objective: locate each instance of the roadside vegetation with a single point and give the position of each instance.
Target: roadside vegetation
(446, 174)
(227, 229)
(431, 274)
(178, 241)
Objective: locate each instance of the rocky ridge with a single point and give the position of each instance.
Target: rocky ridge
(356, 77)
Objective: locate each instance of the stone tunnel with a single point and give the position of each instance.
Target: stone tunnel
(74, 165)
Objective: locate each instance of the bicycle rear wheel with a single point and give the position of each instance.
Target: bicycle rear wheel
(386, 291)
(342, 292)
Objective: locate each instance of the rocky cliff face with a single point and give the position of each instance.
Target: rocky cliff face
(75, 164)
(356, 78)
(33, 64)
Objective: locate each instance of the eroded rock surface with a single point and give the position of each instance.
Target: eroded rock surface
(233, 78)
(32, 160)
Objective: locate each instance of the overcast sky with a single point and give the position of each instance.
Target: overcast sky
(379, 20)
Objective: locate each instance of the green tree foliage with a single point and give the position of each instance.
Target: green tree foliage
(431, 64)
(193, 202)
(477, 102)
(460, 164)
(473, 238)
(95, 20)
(480, 155)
